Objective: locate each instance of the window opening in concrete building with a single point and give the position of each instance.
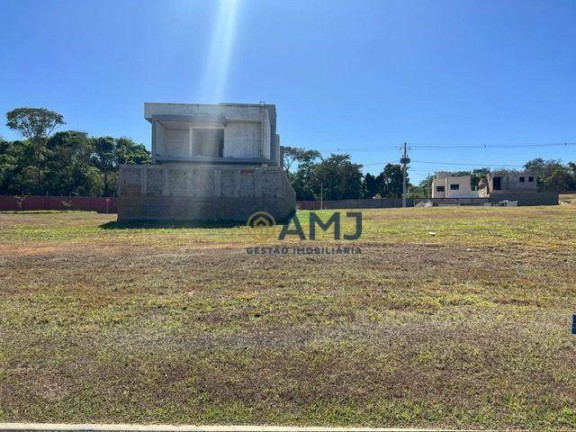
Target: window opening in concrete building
(208, 142)
(439, 188)
(497, 183)
(454, 186)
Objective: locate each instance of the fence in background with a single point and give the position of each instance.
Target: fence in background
(523, 199)
(454, 201)
(38, 202)
(109, 204)
(528, 199)
(354, 203)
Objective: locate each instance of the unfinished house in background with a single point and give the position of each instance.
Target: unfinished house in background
(445, 185)
(521, 187)
(502, 182)
(209, 162)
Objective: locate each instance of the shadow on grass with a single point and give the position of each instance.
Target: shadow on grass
(115, 225)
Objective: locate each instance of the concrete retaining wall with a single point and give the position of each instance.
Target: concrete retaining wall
(189, 192)
(355, 203)
(527, 199)
(524, 199)
(453, 201)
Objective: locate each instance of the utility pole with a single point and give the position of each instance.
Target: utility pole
(405, 160)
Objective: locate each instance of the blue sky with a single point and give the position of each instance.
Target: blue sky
(351, 76)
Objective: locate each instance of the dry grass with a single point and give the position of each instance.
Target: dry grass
(469, 327)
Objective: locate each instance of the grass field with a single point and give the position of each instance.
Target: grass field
(466, 327)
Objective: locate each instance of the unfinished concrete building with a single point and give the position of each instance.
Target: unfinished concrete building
(209, 162)
(521, 187)
(502, 182)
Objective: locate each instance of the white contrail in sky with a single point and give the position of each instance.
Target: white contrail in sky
(221, 47)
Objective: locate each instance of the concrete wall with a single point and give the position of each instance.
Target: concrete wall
(230, 111)
(511, 181)
(535, 199)
(453, 201)
(524, 199)
(354, 204)
(249, 130)
(241, 139)
(527, 199)
(176, 142)
(189, 192)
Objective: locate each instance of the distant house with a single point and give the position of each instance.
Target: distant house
(445, 185)
(502, 182)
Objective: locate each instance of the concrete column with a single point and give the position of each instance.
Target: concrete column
(154, 143)
(157, 140)
(190, 140)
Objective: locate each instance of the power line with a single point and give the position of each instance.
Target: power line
(451, 163)
(468, 164)
(499, 146)
(363, 149)
(453, 146)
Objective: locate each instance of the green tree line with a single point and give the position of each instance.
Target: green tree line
(70, 163)
(339, 178)
(74, 163)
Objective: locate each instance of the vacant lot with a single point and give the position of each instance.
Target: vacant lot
(455, 317)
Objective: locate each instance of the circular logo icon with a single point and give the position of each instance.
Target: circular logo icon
(263, 225)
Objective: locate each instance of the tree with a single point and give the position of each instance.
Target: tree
(372, 185)
(104, 158)
(301, 180)
(68, 161)
(109, 153)
(423, 189)
(35, 124)
(10, 165)
(551, 174)
(291, 155)
(340, 178)
(128, 152)
(391, 181)
(559, 180)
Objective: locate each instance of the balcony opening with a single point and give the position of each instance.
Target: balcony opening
(208, 142)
